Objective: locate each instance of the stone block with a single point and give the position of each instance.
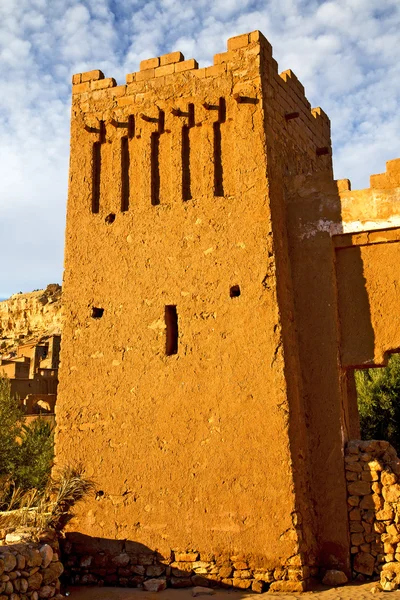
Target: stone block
(172, 57)
(202, 591)
(150, 63)
(359, 488)
(224, 57)
(288, 586)
(145, 75)
(364, 563)
(103, 84)
(186, 556)
(334, 578)
(164, 70)
(186, 65)
(155, 585)
(81, 88)
(216, 70)
(239, 41)
(92, 75)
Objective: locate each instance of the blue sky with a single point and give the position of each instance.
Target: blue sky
(345, 52)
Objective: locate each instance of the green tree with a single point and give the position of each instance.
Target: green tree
(35, 455)
(10, 418)
(378, 393)
(26, 451)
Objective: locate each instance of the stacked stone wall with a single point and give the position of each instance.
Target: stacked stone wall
(373, 476)
(29, 570)
(124, 566)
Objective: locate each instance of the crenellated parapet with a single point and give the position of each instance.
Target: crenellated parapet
(172, 110)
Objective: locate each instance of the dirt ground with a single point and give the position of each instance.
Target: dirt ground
(348, 592)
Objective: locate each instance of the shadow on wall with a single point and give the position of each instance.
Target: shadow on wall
(95, 561)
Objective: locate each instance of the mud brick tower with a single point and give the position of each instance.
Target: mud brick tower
(201, 381)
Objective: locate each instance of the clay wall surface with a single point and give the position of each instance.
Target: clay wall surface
(14, 369)
(337, 294)
(22, 387)
(190, 450)
(368, 296)
(200, 218)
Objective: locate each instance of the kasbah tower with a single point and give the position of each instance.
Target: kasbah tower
(206, 374)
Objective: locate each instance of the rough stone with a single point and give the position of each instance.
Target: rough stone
(364, 563)
(359, 488)
(10, 562)
(35, 581)
(121, 560)
(46, 552)
(46, 592)
(52, 572)
(202, 591)
(334, 578)
(155, 585)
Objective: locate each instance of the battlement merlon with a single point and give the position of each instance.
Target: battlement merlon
(248, 56)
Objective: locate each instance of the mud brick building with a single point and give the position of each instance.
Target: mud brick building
(220, 287)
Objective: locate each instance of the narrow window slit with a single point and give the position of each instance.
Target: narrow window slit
(222, 110)
(161, 121)
(125, 163)
(171, 325)
(131, 126)
(155, 169)
(102, 135)
(186, 191)
(191, 122)
(218, 169)
(96, 173)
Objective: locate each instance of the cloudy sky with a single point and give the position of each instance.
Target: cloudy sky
(345, 52)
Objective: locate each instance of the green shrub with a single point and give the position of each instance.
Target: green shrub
(378, 394)
(35, 455)
(26, 451)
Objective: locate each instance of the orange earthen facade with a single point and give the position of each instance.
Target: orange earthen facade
(207, 253)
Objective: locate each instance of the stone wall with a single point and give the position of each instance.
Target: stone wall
(373, 473)
(29, 569)
(128, 564)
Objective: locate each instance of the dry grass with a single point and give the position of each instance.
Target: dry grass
(51, 508)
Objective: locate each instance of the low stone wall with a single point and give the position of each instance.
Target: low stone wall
(373, 473)
(121, 564)
(29, 570)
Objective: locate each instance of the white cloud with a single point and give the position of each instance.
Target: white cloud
(343, 51)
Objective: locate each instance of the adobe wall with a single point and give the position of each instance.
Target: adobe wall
(22, 387)
(368, 295)
(203, 380)
(190, 451)
(344, 286)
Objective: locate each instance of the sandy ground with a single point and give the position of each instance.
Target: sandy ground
(348, 592)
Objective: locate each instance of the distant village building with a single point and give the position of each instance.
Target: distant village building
(33, 373)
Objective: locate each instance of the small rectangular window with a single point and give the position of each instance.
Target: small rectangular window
(171, 327)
